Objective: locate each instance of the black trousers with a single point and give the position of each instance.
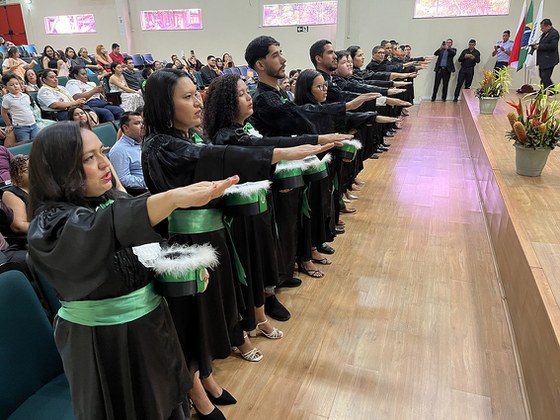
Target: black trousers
(545, 75)
(500, 64)
(465, 76)
(443, 74)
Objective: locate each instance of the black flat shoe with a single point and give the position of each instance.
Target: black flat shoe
(326, 249)
(374, 157)
(225, 399)
(274, 309)
(293, 282)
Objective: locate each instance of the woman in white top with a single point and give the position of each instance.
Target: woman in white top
(131, 99)
(14, 64)
(32, 81)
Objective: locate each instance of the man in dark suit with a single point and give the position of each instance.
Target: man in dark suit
(547, 52)
(444, 67)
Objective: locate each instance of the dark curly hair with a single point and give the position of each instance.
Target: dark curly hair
(221, 106)
(18, 165)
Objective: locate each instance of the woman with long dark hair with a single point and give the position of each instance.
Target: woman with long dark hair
(118, 344)
(228, 105)
(174, 155)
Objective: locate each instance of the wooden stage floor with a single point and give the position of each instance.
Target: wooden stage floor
(409, 321)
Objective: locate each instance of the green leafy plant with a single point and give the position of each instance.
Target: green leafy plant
(536, 122)
(495, 84)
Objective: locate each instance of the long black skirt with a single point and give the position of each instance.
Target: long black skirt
(256, 244)
(208, 323)
(128, 371)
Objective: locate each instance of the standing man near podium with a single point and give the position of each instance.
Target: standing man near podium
(444, 67)
(547, 52)
(469, 58)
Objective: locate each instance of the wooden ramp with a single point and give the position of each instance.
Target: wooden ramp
(409, 321)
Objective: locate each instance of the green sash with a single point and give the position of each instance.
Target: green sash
(112, 311)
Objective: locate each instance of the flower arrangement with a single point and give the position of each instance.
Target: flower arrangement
(495, 84)
(536, 122)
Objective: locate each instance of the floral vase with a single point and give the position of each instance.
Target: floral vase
(529, 161)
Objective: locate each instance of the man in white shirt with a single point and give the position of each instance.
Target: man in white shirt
(80, 87)
(502, 51)
(55, 98)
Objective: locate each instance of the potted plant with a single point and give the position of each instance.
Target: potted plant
(495, 84)
(535, 129)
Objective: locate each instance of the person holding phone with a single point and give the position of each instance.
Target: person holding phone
(502, 51)
(444, 67)
(80, 88)
(193, 62)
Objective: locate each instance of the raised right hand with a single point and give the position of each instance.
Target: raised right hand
(334, 138)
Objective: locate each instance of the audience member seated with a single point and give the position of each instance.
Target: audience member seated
(72, 58)
(7, 136)
(115, 53)
(82, 117)
(102, 58)
(176, 63)
(85, 60)
(157, 65)
(18, 105)
(210, 71)
(50, 61)
(11, 253)
(64, 69)
(80, 88)
(194, 62)
(5, 158)
(131, 99)
(220, 64)
(228, 61)
(55, 98)
(131, 75)
(125, 154)
(146, 73)
(16, 196)
(32, 81)
(14, 64)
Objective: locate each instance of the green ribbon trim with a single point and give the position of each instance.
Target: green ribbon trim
(190, 222)
(347, 147)
(243, 199)
(196, 138)
(315, 170)
(106, 204)
(305, 207)
(335, 182)
(248, 127)
(112, 311)
(241, 276)
(195, 275)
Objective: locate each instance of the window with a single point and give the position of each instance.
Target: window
(70, 24)
(289, 14)
(171, 20)
(453, 8)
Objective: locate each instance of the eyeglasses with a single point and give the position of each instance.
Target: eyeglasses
(323, 86)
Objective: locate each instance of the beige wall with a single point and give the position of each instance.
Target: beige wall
(229, 25)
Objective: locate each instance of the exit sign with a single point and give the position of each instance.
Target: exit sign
(302, 29)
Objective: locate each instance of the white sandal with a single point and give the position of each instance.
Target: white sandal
(274, 335)
(253, 355)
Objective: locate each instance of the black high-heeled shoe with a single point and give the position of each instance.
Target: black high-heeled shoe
(215, 414)
(225, 399)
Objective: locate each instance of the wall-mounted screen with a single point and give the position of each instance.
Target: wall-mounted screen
(70, 24)
(455, 8)
(171, 20)
(291, 14)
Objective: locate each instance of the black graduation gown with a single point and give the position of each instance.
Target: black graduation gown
(134, 370)
(207, 323)
(255, 237)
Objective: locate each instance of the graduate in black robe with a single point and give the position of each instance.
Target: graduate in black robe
(120, 363)
(227, 107)
(208, 324)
